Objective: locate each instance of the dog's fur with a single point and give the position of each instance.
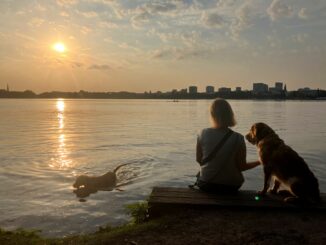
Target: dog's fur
(90, 184)
(284, 164)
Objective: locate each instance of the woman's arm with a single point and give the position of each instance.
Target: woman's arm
(242, 159)
(199, 152)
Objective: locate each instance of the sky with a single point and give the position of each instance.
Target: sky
(137, 45)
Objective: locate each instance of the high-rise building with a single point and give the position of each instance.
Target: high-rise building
(238, 89)
(209, 89)
(7, 87)
(192, 89)
(259, 88)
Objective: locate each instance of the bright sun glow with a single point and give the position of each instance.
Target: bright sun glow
(59, 47)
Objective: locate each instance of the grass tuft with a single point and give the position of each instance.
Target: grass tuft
(138, 212)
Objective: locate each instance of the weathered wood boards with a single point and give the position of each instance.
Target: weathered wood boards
(165, 199)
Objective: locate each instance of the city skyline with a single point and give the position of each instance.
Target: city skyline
(257, 87)
(204, 88)
(109, 45)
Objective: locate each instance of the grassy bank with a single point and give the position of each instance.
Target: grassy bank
(138, 223)
(197, 227)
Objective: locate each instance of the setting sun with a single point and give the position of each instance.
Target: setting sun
(59, 47)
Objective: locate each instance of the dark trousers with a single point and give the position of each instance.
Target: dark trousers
(217, 188)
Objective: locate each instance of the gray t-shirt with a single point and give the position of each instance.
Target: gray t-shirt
(223, 168)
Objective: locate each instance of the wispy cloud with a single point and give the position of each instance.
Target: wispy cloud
(213, 20)
(279, 9)
(101, 67)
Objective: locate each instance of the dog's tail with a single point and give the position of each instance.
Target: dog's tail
(118, 167)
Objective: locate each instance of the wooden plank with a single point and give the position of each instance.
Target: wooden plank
(239, 196)
(222, 203)
(164, 199)
(217, 199)
(195, 192)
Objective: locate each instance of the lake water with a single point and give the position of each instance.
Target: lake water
(45, 144)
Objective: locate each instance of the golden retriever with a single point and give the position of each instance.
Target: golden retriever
(284, 164)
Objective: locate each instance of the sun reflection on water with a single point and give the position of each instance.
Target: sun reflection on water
(60, 105)
(61, 160)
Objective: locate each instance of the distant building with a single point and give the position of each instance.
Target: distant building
(279, 86)
(260, 88)
(277, 90)
(238, 89)
(183, 91)
(274, 91)
(193, 90)
(224, 90)
(7, 87)
(209, 89)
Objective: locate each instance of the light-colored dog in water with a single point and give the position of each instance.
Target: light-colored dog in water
(86, 185)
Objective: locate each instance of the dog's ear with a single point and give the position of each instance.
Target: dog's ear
(262, 130)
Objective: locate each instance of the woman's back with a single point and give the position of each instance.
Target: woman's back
(223, 168)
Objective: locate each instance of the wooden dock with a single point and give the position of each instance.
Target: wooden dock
(167, 199)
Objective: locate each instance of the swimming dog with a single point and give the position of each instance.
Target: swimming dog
(85, 185)
(284, 164)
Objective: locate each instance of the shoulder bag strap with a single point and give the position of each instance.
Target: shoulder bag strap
(217, 148)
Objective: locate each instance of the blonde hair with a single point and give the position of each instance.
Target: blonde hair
(222, 113)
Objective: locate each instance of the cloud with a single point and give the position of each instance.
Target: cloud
(140, 18)
(66, 2)
(243, 18)
(85, 30)
(89, 14)
(302, 14)
(64, 14)
(77, 64)
(160, 7)
(279, 9)
(108, 25)
(179, 53)
(36, 22)
(299, 38)
(213, 20)
(188, 38)
(226, 3)
(150, 11)
(101, 67)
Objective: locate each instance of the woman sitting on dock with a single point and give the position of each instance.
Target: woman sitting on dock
(221, 152)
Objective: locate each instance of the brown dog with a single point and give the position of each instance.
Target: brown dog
(87, 185)
(284, 164)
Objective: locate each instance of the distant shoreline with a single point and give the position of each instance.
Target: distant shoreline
(174, 96)
(169, 99)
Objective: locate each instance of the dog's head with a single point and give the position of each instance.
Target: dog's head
(80, 181)
(258, 132)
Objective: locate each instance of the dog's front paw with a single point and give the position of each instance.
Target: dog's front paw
(261, 193)
(272, 191)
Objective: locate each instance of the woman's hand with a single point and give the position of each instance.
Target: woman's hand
(242, 159)
(249, 165)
